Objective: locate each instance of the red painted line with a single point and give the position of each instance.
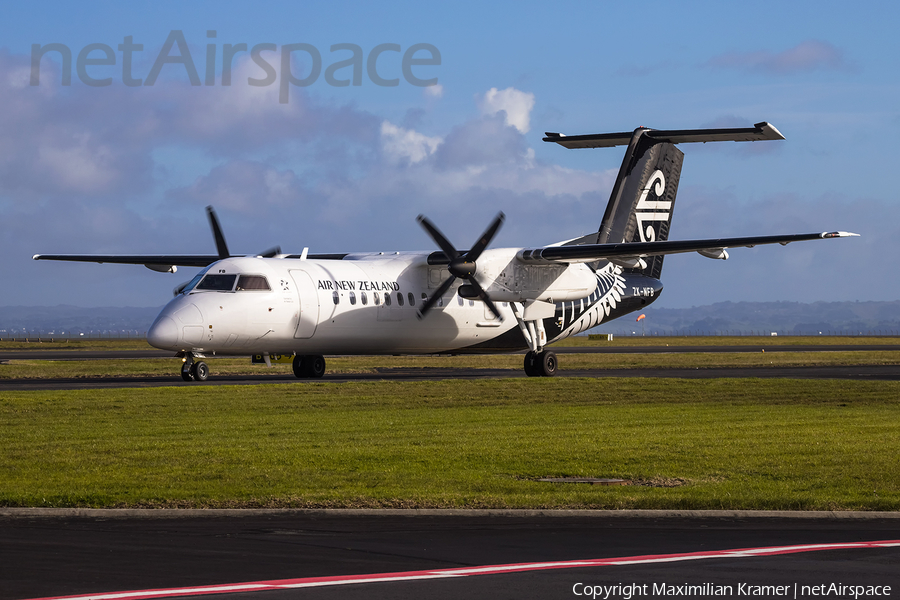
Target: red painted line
(283, 584)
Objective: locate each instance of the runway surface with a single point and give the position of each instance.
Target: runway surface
(41, 354)
(46, 556)
(856, 372)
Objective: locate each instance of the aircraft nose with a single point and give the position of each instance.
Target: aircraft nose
(163, 333)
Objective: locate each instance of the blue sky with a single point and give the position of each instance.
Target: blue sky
(128, 169)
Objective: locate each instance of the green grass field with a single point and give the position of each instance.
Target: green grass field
(704, 444)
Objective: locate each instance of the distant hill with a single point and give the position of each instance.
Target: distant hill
(755, 318)
(74, 319)
(739, 318)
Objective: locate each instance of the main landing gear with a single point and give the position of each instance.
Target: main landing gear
(194, 371)
(310, 366)
(540, 364)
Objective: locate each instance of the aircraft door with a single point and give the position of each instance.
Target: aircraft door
(309, 305)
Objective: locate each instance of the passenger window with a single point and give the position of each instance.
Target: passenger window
(377, 298)
(460, 300)
(253, 282)
(352, 297)
(412, 299)
(217, 283)
(387, 299)
(364, 299)
(399, 299)
(336, 297)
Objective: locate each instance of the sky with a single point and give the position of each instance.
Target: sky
(333, 125)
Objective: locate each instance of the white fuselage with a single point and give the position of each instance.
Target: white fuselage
(363, 304)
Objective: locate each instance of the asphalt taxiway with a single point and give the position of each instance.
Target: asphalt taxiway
(434, 554)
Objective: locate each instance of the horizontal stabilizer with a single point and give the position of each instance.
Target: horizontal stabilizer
(760, 131)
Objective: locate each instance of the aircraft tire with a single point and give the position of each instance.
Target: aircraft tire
(186, 372)
(546, 364)
(200, 371)
(298, 366)
(531, 364)
(314, 366)
(310, 366)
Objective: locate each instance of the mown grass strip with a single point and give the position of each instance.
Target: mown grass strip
(727, 444)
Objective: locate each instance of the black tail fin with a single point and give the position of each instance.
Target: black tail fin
(640, 207)
(643, 198)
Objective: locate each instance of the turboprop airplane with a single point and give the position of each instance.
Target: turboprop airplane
(482, 300)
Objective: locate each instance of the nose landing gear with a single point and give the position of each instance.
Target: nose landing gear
(194, 371)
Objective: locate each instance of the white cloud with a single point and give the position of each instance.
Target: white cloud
(434, 91)
(242, 186)
(80, 165)
(515, 103)
(406, 144)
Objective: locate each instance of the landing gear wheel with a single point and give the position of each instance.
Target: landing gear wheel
(309, 367)
(540, 364)
(200, 371)
(297, 366)
(530, 361)
(546, 364)
(314, 366)
(186, 373)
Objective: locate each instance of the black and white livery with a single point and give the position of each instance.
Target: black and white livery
(482, 300)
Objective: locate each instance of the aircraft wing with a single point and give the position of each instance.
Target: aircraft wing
(156, 262)
(166, 262)
(712, 248)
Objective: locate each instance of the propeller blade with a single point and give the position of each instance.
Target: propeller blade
(486, 237)
(435, 297)
(482, 295)
(438, 237)
(221, 246)
(271, 252)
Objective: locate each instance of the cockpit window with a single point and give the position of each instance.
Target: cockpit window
(193, 282)
(217, 282)
(252, 282)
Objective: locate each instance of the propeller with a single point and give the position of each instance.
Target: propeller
(461, 266)
(222, 247)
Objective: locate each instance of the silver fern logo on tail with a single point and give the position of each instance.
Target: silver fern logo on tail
(650, 211)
